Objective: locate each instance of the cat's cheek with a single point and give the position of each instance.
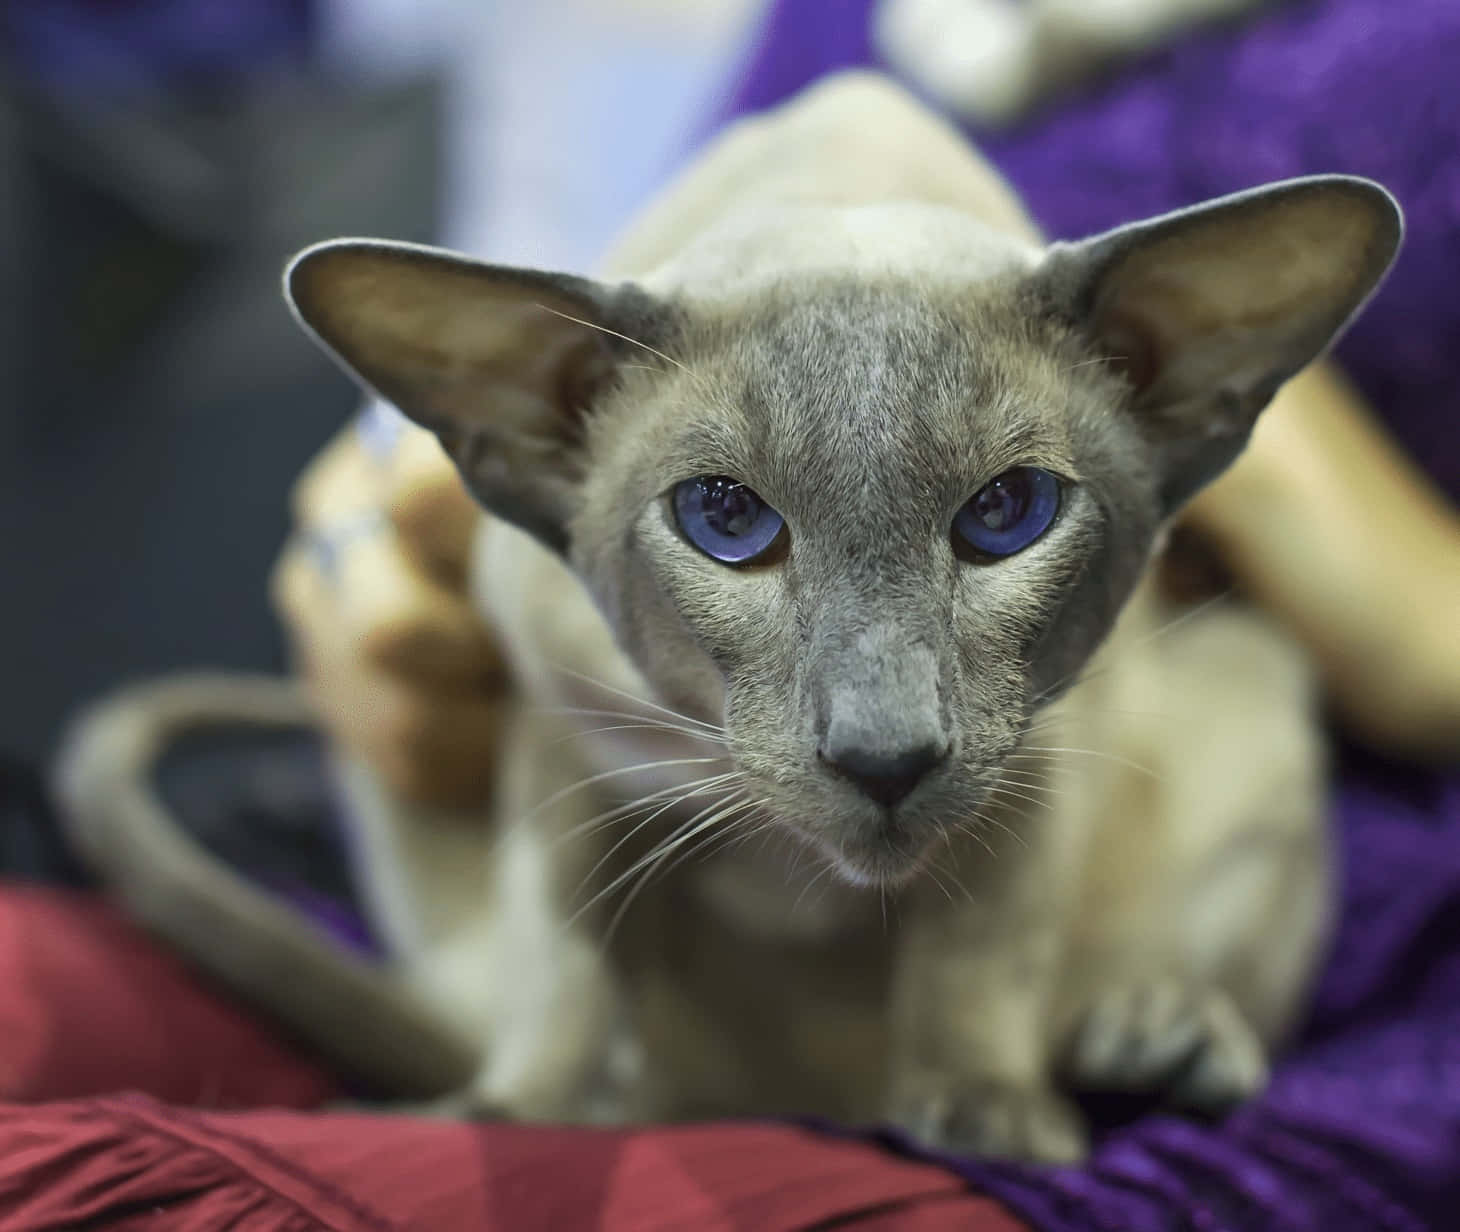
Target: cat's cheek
(988, 688)
(677, 604)
(737, 617)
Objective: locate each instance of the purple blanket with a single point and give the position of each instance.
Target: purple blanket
(1361, 1127)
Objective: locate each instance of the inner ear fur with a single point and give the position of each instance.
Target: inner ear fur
(501, 363)
(1209, 310)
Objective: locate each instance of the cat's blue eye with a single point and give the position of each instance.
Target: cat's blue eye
(726, 520)
(1008, 513)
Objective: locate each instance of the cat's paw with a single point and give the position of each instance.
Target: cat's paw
(985, 1116)
(613, 1090)
(1187, 1044)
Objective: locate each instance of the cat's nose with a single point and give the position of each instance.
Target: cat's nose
(888, 778)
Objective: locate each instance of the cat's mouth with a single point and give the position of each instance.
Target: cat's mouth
(874, 845)
(887, 857)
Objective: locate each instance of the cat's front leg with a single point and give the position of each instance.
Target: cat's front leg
(563, 1048)
(970, 1065)
(561, 1045)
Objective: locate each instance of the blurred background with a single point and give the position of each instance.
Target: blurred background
(161, 159)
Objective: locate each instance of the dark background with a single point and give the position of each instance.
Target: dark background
(156, 399)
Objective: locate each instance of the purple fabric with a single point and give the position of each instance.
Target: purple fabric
(1367, 87)
(1361, 1126)
(343, 924)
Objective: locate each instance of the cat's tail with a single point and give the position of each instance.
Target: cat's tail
(356, 1013)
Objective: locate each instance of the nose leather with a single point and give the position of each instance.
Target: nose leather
(882, 726)
(886, 778)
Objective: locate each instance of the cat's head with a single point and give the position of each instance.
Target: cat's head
(874, 512)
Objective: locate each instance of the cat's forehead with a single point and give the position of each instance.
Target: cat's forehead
(882, 382)
(738, 257)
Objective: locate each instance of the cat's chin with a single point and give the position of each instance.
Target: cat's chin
(875, 865)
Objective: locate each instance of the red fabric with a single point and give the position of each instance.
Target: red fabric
(88, 1005)
(131, 1163)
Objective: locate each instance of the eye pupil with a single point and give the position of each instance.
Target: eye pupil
(1003, 502)
(1007, 514)
(730, 507)
(725, 519)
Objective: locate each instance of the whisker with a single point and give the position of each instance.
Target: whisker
(1083, 675)
(648, 876)
(613, 333)
(662, 727)
(638, 701)
(1051, 720)
(676, 794)
(741, 829)
(1016, 795)
(651, 863)
(681, 834)
(593, 712)
(926, 866)
(1050, 797)
(702, 731)
(830, 865)
(616, 772)
(609, 854)
(1099, 359)
(653, 854)
(976, 836)
(1033, 780)
(1019, 814)
(953, 871)
(1123, 761)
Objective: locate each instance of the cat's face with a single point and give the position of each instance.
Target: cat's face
(870, 521)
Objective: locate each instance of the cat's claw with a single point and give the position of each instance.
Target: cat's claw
(990, 1117)
(1188, 1045)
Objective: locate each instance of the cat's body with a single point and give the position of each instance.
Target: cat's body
(1180, 850)
(1119, 882)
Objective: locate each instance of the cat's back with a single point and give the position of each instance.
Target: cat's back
(854, 140)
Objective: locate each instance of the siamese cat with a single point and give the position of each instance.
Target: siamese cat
(860, 767)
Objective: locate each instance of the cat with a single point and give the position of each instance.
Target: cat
(860, 766)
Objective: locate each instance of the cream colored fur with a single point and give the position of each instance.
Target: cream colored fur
(1158, 880)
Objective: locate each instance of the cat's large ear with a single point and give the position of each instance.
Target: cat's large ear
(1209, 310)
(502, 364)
